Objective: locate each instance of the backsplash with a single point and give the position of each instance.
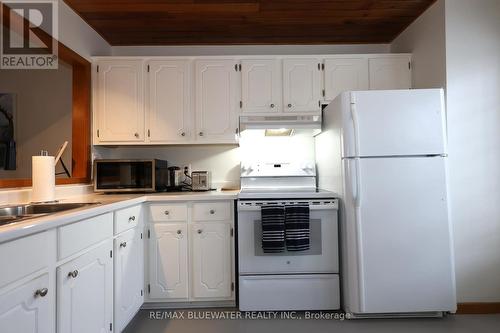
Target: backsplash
(222, 160)
(23, 195)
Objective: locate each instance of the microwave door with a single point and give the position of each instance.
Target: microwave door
(124, 176)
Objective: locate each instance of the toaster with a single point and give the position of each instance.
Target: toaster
(201, 181)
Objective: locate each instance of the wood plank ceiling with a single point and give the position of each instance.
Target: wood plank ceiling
(188, 22)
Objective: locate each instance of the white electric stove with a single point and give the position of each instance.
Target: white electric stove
(307, 280)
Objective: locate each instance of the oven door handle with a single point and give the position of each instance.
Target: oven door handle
(243, 208)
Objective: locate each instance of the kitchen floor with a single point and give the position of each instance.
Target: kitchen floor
(453, 323)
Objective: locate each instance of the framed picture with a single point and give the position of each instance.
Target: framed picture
(7, 131)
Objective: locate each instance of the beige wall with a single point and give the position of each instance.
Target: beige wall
(425, 39)
(42, 116)
(473, 99)
(200, 50)
(456, 45)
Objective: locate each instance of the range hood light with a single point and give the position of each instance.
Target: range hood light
(279, 132)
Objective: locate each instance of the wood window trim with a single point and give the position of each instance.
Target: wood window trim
(81, 81)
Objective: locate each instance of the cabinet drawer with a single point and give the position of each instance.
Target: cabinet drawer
(127, 218)
(168, 212)
(80, 235)
(21, 257)
(212, 211)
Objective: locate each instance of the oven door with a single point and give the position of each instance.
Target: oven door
(322, 257)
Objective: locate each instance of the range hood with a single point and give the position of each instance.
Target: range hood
(281, 122)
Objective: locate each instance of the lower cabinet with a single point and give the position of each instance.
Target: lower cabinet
(192, 260)
(128, 276)
(211, 244)
(28, 307)
(85, 292)
(168, 261)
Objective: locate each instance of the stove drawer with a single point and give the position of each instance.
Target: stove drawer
(289, 292)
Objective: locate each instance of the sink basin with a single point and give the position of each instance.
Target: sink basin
(12, 214)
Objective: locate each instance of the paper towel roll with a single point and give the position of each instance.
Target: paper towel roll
(43, 178)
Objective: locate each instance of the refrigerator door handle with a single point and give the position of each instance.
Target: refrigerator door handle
(355, 126)
(355, 178)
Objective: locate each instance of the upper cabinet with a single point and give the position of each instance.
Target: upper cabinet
(168, 101)
(344, 74)
(216, 100)
(390, 72)
(261, 86)
(119, 101)
(198, 100)
(301, 85)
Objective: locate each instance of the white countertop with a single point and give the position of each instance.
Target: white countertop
(107, 204)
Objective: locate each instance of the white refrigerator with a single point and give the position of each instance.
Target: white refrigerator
(384, 153)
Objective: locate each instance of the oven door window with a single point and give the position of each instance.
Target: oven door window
(124, 175)
(314, 240)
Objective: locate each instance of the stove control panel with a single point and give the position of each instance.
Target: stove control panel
(278, 169)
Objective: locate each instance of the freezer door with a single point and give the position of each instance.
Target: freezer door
(406, 258)
(394, 123)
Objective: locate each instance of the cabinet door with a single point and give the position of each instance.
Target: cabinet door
(28, 308)
(301, 85)
(344, 74)
(169, 101)
(85, 292)
(168, 269)
(120, 101)
(390, 73)
(128, 277)
(216, 101)
(211, 250)
(260, 86)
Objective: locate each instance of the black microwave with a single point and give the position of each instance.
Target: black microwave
(130, 175)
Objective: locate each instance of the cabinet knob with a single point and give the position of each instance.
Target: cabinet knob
(179, 232)
(167, 212)
(41, 292)
(289, 105)
(123, 244)
(200, 134)
(73, 274)
(183, 134)
(200, 231)
(272, 106)
(136, 135)
(132, 218)
(212, 211)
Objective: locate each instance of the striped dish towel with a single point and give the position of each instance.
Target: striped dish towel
(273, 228)
(297, 227)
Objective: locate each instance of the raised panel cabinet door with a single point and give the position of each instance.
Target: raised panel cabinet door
(169, 101)
(390, 73)
(128, 277)
(211, 250)
(345, 74)
(301, 85)
(260, 86)
(168, 261)
(28, 308)
(85, 292)
(120, 101)
(216, 101)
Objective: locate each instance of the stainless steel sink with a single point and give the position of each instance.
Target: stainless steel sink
(16, 213)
